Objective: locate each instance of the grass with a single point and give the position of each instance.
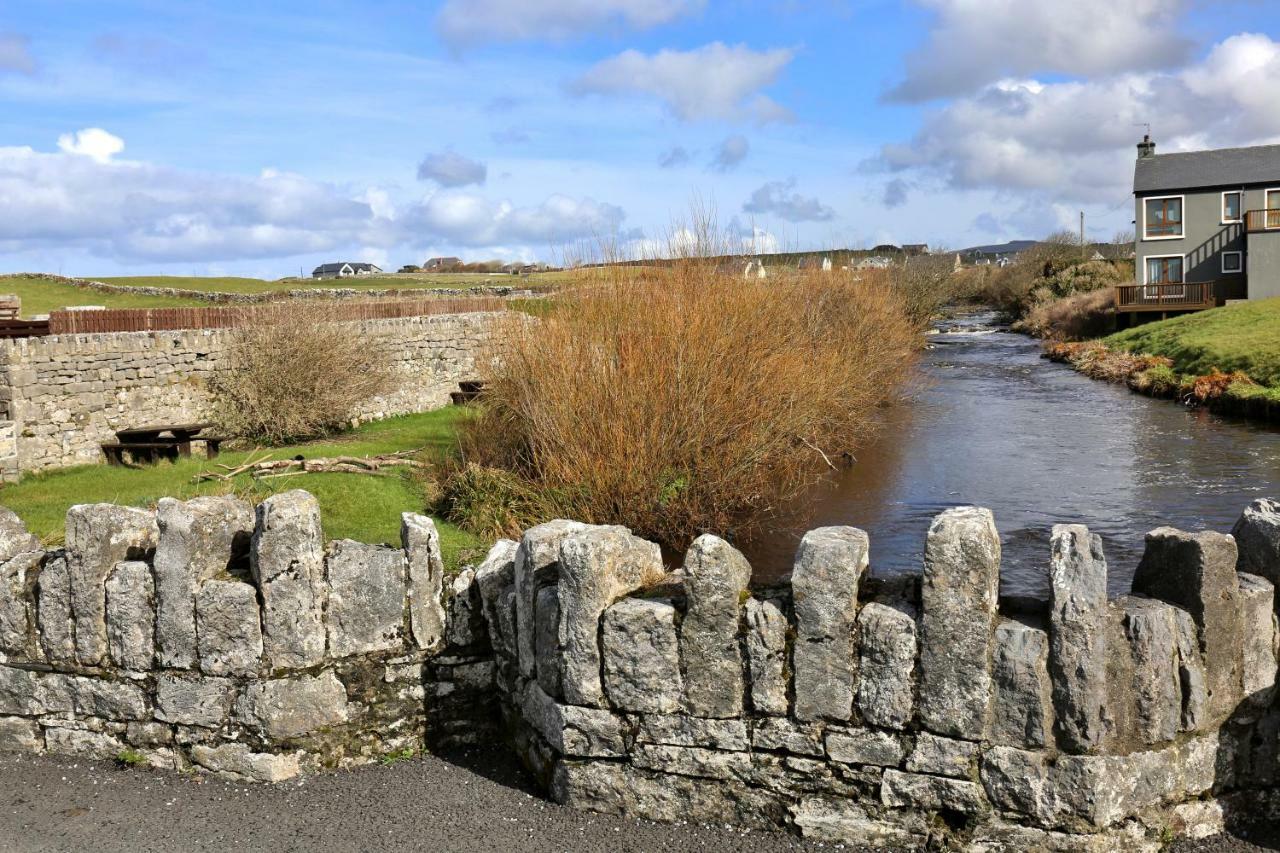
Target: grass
(40, 297)
(1244, 337)
(396, 281)
(353, 506)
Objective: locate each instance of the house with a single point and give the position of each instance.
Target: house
(875, 262)
(1001, 254)
(442, 264)
(1207, 227)
(345, 269)
(915, 249)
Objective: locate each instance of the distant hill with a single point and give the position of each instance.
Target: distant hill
(1013, 246)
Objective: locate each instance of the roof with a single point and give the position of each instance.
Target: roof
(1012, 247)
(355, 267)
(1224, 167)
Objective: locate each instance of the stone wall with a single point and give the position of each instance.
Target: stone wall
(911, 712)
(211, 635)
(61, 397)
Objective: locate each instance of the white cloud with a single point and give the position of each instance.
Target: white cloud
(895, 193)
(1074, 140)
(449, 169)
(779, 198)
(92, 142)
(716, 81)
(464, 22)
(15, 54)
(469, 219)
(731, 152)
(975, 42)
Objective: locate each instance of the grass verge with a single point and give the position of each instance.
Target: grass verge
(40, 296)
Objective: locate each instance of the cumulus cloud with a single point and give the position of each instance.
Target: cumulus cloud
(895, 193)
(779, 198)
(716, 81)
(730, 153)
(976, 42)
(467, 22)
(469, 219)
(1074, 140)
(15, 54)
(450, 169)
(673, 157)
(92, 142)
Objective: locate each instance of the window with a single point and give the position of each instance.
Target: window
(1166, 269)
(1162, 218)
(1233, 262)
(1231, 207)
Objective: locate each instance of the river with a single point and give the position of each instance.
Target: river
(993, 424)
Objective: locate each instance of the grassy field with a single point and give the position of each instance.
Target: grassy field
(40, 297)
(1244, 337)
(353, 506)
(394, 281)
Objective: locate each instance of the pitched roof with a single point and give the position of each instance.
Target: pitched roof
(355, 267)
(1225, 167)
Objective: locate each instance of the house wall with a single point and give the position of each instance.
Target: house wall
(1263, 264)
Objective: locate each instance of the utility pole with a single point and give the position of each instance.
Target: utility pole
(1082, 257)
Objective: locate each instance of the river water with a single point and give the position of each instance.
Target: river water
(993, 424)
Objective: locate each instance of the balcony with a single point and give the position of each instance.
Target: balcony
(1191, 296)
(1257, 221)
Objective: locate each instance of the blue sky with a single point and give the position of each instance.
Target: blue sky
(235, 138)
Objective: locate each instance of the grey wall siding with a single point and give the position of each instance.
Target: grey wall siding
(1263, 264)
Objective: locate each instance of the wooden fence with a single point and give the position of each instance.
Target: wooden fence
(218, 317)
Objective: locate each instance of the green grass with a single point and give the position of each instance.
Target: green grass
(398, 281)
(40, 297)
(1243, 337)
(353, 506)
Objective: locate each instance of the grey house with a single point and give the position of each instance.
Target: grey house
(345, 269)
(1207, 227)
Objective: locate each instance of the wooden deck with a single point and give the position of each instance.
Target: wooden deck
(1257, 221)
(1192, 296)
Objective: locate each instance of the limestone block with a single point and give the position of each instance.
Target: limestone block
(18, 692)
(421, 543)
(959, 595)
(199, 540)
(547, 639)
(781, 734)
(1257, 536)
(641, 656)
(572, 729)
(693, 761)
(1078, 637)
(53, 594)
(536, 563)
(17, 605)
(1197, 572)
(240, 762)
(131, 616)
(81, 743)
(292, 707)
(838, 820)
(191, 700)
(931, 793)
(1021, 695)
(18, 734)
(716, 577)
(1257, 612)
(887, 661)
(1150, 628)
(287, 556)
(228, 628)
(943, 757)
(1192, 685)
(98, 536)
(15, 539)
(830, 565)
(1017, 780)
(598, 566)
(366, 598)
(682, 730)
(495, 574)
(767, 656)
(94, 697)
(865, 746)
(465, 611)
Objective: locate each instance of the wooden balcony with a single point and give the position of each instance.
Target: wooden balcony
(1256, 221)
(1192, 296)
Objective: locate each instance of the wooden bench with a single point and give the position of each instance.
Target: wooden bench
(140, 451)
(162, 441)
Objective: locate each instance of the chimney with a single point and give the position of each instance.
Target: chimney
(1146, 148)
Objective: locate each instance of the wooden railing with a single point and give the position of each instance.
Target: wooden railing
(1262, 220)
(1191, 296)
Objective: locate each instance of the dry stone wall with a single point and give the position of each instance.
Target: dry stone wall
(62, 396)
(216, 636)
(906, 712)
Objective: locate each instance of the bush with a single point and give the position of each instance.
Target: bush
(681, 400)
(1077, 317)
(293, 373)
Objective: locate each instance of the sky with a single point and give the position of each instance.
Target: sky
(229, 138)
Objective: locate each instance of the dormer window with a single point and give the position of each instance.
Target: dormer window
(1162, 218)
(1231, 205)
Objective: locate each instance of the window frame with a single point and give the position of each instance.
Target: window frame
(1182, 224)
(1237, 271)
(1146, 276)
(1239, 207)
(1266, 217)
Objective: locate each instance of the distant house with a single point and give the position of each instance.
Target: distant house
(915, 249)
(1207, 229)
(875, 262)
(887, 249)
(345, 269)
(441, 264)
(512, 269)
(1001, 254)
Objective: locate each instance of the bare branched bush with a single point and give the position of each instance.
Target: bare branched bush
(1078, 317)
(293, 372)
(683, 399)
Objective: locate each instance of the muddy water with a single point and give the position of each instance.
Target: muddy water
(995, 425)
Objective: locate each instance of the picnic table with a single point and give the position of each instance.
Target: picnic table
(160, 441)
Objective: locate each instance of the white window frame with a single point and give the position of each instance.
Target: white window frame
(1222, 208)
(1148, 289)
(1182, 199)
(1226, 271)
(1266, 218)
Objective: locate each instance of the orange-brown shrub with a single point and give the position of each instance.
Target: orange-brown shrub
(1212, 386)
(687, 399)
(1081, 316)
